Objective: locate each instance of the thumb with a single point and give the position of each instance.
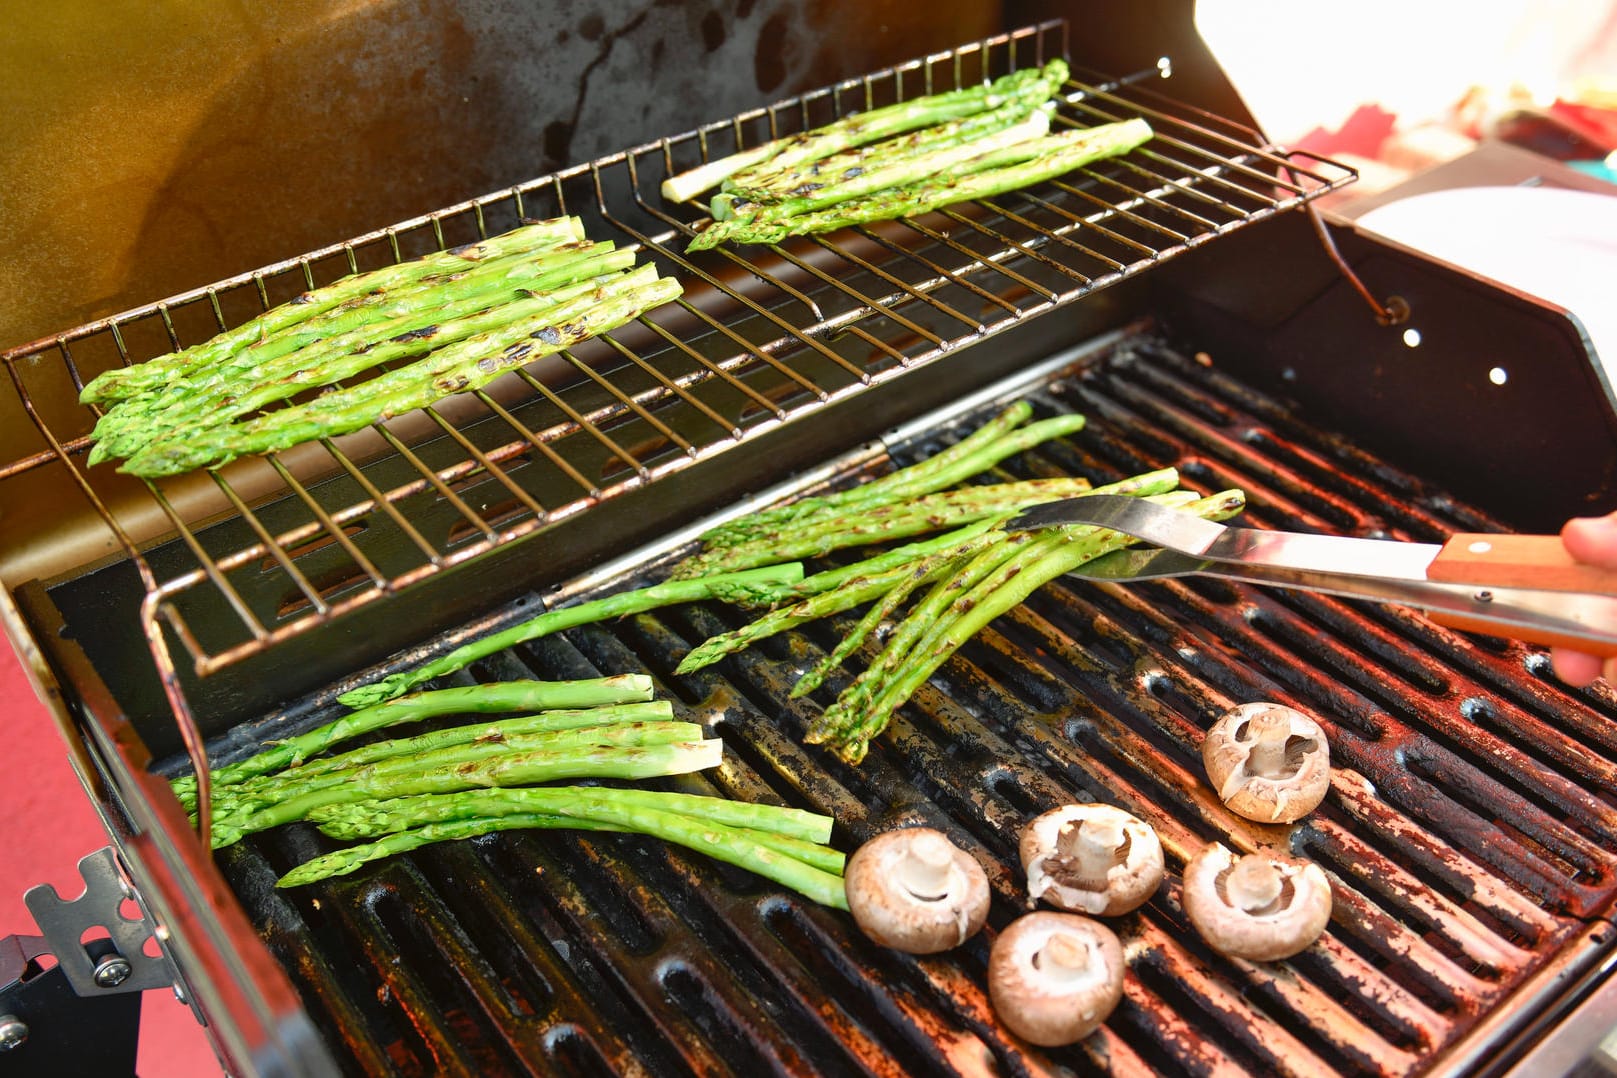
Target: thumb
(1592, 540)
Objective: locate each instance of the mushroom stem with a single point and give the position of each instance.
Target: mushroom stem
(924, 869)
(1254, 885)
(1065, 959)
(1271, 730)
(1089, 849)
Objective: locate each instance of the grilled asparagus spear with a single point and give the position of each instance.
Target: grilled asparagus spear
(1032, 84)
(744, 848)
(875, 175)
(752, 586)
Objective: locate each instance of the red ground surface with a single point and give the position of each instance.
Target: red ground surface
(49, 825)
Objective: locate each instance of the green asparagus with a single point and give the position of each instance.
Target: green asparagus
(934, 512)
(385, 713)
(1058, 154)
(765, 184)
(465, 365)
(497, 731)
(367, 819)
(752, 586)
(851, 592)
(513, 769)
(735, 846)
(247, 801)
(975, 453)
(251, 379)
(127, 381)
(927, 570)
(1053, 553)
(877, 176)
(858, 129)
(832, 723)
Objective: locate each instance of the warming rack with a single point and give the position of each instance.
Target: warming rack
(763, 337)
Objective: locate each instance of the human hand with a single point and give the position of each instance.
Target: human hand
(1592, 541)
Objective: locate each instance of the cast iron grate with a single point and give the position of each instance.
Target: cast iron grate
(1471, 831)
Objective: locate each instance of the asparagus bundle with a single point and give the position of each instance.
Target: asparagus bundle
(961, 605)
(965, 577)
(468, 780)
(1028, 89)
(447, 323)
(992, 173)
(811, 869)
(358, 290)
(281, 367)
(901, 160)
(466, 365)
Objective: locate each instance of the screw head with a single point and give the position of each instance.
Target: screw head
(112, 971)
(13, 1031)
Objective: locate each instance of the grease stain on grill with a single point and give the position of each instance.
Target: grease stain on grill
(857, 1008)
(719, 1027)
(1507, 845)
(572, 1050)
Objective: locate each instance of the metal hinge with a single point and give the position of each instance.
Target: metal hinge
(97, 964)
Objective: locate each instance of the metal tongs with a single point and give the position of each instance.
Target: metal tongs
(1522, 586)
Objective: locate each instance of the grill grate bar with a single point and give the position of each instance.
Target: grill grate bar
(377, 500)
(436, 480)
(486, 464)
(215, 572)
(330, 527)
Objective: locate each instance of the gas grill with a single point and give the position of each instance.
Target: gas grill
(1189, 301)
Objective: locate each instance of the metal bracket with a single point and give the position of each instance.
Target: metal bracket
(47, 1029)
(117, 962)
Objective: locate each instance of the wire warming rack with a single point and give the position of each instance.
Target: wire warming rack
(763, 336)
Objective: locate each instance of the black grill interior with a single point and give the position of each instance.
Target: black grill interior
(1471, 832)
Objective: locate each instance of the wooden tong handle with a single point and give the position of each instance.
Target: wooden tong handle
(1519, 561)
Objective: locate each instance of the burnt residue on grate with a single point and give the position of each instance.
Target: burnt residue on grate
(1471, 830)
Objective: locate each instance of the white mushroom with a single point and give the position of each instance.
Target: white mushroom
(1092, 858)
(1264, 906)
(1268, 762)
(914, 890)
(1055, 977)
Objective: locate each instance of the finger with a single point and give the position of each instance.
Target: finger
(1592, 540)
(1574, 667)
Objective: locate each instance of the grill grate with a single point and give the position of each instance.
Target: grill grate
(1471, 831)
(763, 337)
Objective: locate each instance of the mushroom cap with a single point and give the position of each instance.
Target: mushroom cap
(1055, 977)
(1109, 864)
(1268, 762)
(914, 890)
(1264, 906)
